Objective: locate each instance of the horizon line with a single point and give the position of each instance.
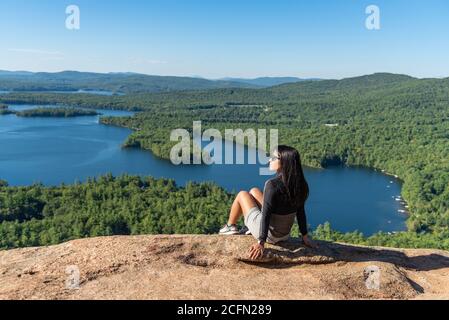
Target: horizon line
(224, 78)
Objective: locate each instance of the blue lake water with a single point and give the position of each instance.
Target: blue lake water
(56, 150)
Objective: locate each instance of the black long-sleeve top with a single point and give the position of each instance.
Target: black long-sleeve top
(276, 201)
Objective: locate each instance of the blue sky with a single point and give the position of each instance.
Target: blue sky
(227, 38)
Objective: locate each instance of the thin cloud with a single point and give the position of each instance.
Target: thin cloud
(147, 61)
(36, 51)
(156, 62)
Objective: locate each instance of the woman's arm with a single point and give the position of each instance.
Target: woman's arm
(267, 209)
(302, 223)
(256, 250)
(302, 220)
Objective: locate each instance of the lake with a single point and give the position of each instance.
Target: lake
(56, 150)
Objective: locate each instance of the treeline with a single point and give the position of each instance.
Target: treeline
(408, 239)
(85, 101)
(35, 215)
(56, 112)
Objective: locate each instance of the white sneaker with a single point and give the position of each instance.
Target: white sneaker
(229, 230)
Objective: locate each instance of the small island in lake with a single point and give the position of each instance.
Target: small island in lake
(56, 112)
(4, 109)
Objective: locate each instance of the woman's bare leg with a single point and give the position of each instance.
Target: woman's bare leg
(258, 196)
(242, 204)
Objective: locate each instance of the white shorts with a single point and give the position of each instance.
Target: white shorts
(253, 221)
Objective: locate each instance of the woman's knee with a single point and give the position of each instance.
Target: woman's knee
(255, 191)
(242, 194)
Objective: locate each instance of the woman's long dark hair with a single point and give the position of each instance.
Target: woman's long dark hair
(292, 175)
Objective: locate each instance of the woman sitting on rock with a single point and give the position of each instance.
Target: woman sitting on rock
(269, 216)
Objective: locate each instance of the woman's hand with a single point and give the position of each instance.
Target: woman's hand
(256, 251)
(308, 242)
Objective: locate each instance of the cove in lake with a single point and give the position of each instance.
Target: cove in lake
(56, 150)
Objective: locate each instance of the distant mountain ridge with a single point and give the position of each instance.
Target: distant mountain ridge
(127, 82)
(115, 82)
(371, 83)
(269, 81)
